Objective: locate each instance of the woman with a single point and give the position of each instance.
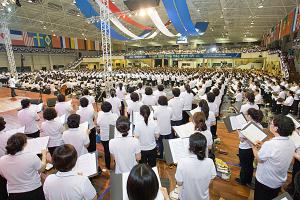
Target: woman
(209, 115)
(274, 158)
(115, 102)
(29, 118)
(195, 185)
(67, 184)
(53, 129)
(213, 107)
(125, 150)
(187, 98)
(134, 105)
(245, 150)
(75, 136)
(21, 170)
(147, 132)
(104, 120)
(250, 103)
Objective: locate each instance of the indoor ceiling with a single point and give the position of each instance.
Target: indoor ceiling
(229, 20)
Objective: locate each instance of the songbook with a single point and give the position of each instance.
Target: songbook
(118, 184)
(14, 131)
(36, 145)
(253, 133)
(295, 137)
(235, 122)
(87, 164)
(284, 196)
(297, 124)
(36, 108)
(114, 133)
(195, 90)
(192, 112)
(61, 119)
(176, 149)
(185, 130)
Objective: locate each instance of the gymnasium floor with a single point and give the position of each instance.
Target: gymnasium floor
(219, 188)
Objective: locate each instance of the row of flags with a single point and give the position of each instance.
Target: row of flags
(21, 38)
(289, 24)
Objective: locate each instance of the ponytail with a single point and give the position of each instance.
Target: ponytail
(123, 125)
(199, 121)
(145, 112)
(204, 107)
(198, 145)
(188, 88)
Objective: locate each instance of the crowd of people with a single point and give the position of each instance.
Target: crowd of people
(142, 98)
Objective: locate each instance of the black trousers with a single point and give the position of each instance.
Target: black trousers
(160, 143)
(296, 169)
(51, 150)
(295, 107)
(34, 135)
(278, 109)
(122, 111)
(213, 130)
(273, 105)
(92, 137)
(246, 161)
(286, 110)
(36, 194)
(185, 117)
(13, 92)
(149, 157)
(106, 153)
(3, 190)
(263, 192)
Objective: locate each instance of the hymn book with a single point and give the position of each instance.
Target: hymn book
(253, 133)
(36, 108)
(176, 149)
(297, 124)
(185, 130)
(295, 137)
(237, 121)
(36, 145)
(192, 112)
(87, 164)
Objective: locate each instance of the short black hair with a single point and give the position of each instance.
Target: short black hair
(16, 143)
(216, 92)
(285, 125)
(130, 89)
(134, 97)
(64, 158)
(256, 115)
(85, 91)
(123, 125)
(73, 121)
(49, 114)
(250, 96)
(210, 97)
(25, 103)
(84, 102)
(160, 88)
(148, 91)
(162, 100)
(142, 183)
(61, 98)
(2, 123)
(176, 92)
(198, 145)
(106, 106)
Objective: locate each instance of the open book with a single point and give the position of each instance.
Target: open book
(253, 133)
(192, 112)
(36, 145)
(14, 131)
(185, 130)
(297, 124)
(36, 108)
(238, 121)
(295, 137)
(119, 186)
(284, 196)
(176, 149)
(87, 164)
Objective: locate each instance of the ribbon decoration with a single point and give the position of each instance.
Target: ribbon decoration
(154, 34)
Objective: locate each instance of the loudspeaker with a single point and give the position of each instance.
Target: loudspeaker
(139, 4)
(36, 101)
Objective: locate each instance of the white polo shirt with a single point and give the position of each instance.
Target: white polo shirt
(187, 99)
(28, 118)
(90, 98)
(146, 134)
(21, 172)
(177, 106)
(104, 120)
(239, 97)
(68, 186)
(247, 106)
(149, 100)
(276, 156)
(86, 115)
(195, 185)
(214, 108)
(54, 130)
(163, 115)
(289, 101)
(134, 107)
(124, 150)
(116, 105)
(63, 108)
(120, 93)
(78, 139)
(158, 93)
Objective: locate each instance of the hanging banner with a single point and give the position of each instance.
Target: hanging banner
(207, 55)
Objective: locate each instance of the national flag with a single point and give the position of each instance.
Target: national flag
(97, 45)
(39, 40)
(73, 43)
(48, 41)
(81, 44)
(56, 42)
(16, 38)
(2, 38)
(28, 39)
(287, 24)
(90, 45)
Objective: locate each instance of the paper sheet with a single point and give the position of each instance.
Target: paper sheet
(297, 124)
(87, 164)
(84, 127)
(253, 133)
(36, 108)
(179, 148)
(61, 119)
(124, 184)
(238, 122)
(17, 130)
(295, 138)
(195, 110)
(185, 130)
(36, 145)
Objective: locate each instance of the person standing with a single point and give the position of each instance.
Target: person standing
(12, 84)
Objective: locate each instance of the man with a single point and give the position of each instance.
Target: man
(12, 84)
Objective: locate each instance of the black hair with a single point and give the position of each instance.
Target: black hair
(73, 121)
(120, 86)
(130, 89)
(16, 143)
(64, 158)
(106, 106)
(216, 92)
(84, 102)
(85, 91)
(187, 88)
(198, 145)
(251, 97)
(142, 183)
(204, 107)
(211, 97)
(123, 125)
(176, 92)
(148, 91)
(199, 120)
(25, 103)
(112, 92)
(162, 100)
(49, 114)
(285, 125)
(160, 88)
(134, 97)
(256, 115)
(140, 85)
(2, 123)
(145, 112)
(61, 98)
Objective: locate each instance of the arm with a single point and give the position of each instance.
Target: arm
(255, 148)
(297, 156)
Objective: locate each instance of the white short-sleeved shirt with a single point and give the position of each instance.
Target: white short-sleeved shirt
(276, 156)
(21, 172)
(90, 98)
(68, 186)
(158, 93)
(177, 107)
(120, 93)
(104, 120)
(163, 115)
(258, 99)
(289, 101)
(239, 97)
(28, 118)
(134, 107)
(149, 100)
(187, 99)
(116, 105)
(210, 120)
(195, 185)
(4, 136)
(54, 130)
(247, 106)
(78, 139)
(63, 108)
(124, 150)
(146, 134)
(86, 115)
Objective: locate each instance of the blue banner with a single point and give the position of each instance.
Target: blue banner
(206, 55)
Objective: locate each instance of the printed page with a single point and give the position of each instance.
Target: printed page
(87, 164)
(195, 110)
(297, 124)
(179, 148)
(14, 131)
(185, 130)
(36, 145)
(295, 138)
(253, 133)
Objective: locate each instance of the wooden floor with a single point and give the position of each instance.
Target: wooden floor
(219, 188)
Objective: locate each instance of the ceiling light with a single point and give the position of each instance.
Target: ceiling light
(252, 23)
(9, 9)
(142, 13)
(222, 16)
(213, 49)
(29, 1)
(78, 14)
(82, 34)
(74, 2)
(260, 6)
(198, 10)
(44, 27)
